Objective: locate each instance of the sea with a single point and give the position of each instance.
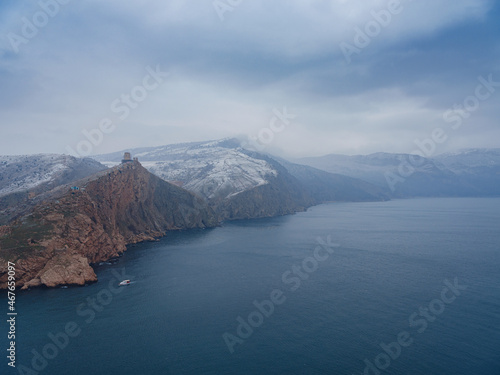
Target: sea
(405, 287)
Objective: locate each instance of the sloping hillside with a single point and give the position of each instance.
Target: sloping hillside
(24, 177)
(42, 172)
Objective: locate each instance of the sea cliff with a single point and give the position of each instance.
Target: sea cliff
(59, 239)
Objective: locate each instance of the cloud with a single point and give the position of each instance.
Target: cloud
(227, 77)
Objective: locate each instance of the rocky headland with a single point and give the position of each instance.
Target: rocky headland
(58, 240)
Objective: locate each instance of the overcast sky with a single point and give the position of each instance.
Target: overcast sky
(356, 76)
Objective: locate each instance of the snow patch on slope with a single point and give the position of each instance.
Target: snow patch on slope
(213, 170)
(25, 172)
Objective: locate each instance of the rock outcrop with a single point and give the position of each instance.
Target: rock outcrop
(56, 243)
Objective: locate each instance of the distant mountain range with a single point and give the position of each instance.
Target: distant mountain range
(470, 172)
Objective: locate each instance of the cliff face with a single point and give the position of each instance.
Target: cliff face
(56, 243)
(282, 195)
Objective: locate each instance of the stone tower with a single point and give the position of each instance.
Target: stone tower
(126, 158)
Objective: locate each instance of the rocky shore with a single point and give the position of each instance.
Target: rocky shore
(58, 241)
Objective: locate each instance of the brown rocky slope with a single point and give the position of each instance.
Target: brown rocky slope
(56, 242)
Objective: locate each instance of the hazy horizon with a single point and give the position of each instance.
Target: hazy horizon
(265, 151)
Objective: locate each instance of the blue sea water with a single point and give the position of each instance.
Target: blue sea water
(332, 314)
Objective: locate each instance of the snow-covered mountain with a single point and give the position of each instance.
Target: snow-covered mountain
(236, 183)
(241, 183)
(213, 170)
(468, 159)
(41, 172)
(477, 168)
(25, 178)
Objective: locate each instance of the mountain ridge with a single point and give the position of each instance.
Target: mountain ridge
(219, 171)
(469, 172)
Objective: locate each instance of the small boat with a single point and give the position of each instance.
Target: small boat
(124, 282)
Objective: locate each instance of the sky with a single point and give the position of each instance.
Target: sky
(294, 77)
